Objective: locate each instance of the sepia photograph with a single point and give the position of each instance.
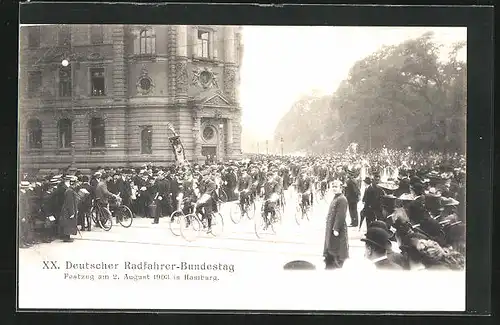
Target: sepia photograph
(242, 167)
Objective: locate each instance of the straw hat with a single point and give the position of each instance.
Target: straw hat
(406, 197)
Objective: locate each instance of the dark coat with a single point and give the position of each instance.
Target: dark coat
(387, 264)
(337, 246)
(68, 218)
(352, 192)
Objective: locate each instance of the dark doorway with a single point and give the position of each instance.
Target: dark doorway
(209, 151)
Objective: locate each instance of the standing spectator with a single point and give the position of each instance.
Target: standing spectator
(336, 248)
(352, 194)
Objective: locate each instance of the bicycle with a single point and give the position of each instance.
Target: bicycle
(122, 213)
(101, 215)
(176, 216)
(264, 222)
(302, 211)
(237, 211)
(193, 220)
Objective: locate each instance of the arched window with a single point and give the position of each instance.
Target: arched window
(147, 140)
(34, 132)
(64, 128)
(97, 132)
(146, 42)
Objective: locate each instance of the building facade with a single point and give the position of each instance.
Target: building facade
(107, 95)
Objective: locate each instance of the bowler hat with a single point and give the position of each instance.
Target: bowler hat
(382, 225)
(299, 266)
(378, 237)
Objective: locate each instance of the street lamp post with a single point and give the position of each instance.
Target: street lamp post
(267, 147)
(281, 145)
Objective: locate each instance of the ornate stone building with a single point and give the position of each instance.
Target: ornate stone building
(105, 95)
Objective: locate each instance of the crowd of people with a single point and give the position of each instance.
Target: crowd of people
(412, 199)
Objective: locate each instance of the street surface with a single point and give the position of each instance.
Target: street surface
(252, 277)
(238, 241)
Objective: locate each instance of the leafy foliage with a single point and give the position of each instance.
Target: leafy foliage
(402, 95)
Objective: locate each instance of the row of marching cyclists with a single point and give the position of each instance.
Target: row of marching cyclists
(415, 199)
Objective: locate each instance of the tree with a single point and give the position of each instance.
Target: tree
(407, 95)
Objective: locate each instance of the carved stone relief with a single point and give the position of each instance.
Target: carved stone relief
(230, 82)
(181, 76)
(216, 101)
(204, 78)
(145, 84)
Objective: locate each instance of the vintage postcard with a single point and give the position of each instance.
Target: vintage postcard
(222, 167)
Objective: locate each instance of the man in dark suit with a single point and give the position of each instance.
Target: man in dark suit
(352, 195)
(377, 244)
(336, 249)
(373, 201)
(163, 204)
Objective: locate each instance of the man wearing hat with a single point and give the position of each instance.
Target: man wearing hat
(205, 204)
(305, 187)
(69, 211)
(102, 194)
(377, 244)
(394, 257)
(24, 216)
(372, 200)
(271, 196)
(352, 194)
(336, 249)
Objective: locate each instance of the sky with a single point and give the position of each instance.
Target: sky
(280, 64)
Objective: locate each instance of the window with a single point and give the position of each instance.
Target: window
(203, 41)
(64, 36)
(147, 42)
(34, 36)
(64, 129)
(34, 82)
(208, 133)
(96, 34)
(97, 82)
(65, 82)
(97, 132)
(34, 132)
(147, 140)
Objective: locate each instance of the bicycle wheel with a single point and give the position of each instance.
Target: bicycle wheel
(190, 227)
(174, 223)
(250, 210)
(93, 215)
(259, 226)
(235, 212)
(217, 224)
(298, 214)
(125, 217)
(105, 219)
(223, 196)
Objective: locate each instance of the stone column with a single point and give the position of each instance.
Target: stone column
(229, 137)
(197, 136)
(229, 45)
(119, 64)
(120, 139)
(181, 64)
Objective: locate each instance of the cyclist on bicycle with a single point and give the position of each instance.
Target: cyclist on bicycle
(271, 196)
(254, 174)
(245, 188)
(305, 187)
(205, 204)
(187, 193)
(102, 194)
(323, 176)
